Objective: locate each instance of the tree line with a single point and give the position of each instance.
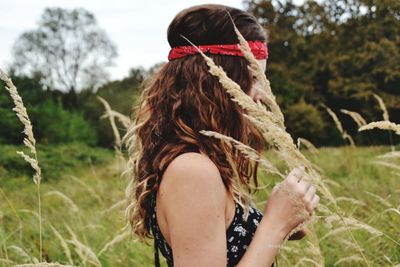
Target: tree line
(332, 53)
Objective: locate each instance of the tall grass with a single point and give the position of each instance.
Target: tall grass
(29, 141)
(356, 228)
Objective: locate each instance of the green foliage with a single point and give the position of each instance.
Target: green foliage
(55, 160)
(120, 94)
(99, 220)
(336, 52)
(302, 115)
(54, 124)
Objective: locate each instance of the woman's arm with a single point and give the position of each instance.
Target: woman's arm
(192, 202)
(264, 246)
(280, 217)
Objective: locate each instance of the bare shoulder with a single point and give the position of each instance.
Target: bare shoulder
(190, 172)
(192, 199)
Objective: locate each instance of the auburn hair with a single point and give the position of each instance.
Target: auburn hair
(183, 98)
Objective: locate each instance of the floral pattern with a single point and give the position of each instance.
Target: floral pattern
(238, 235)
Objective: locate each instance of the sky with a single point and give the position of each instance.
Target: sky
(138, 28)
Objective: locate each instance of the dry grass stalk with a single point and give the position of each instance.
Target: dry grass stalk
(85, 252)
(353, 258)
(246, 151)
(44, 264)
(393, 210)
(339, 126)
(310, 146)
(390, 155)
(307, 261)
(124, 120)
(29, 141)
(111, 117)
(66, 199)
(22, 254)
(379, 199)
(117, 239)
(385, 113)
(116, 205)
(384, 125)
(92, 192)
(350, 222)
(388, 164)
(357, 118)
(269, 124)
(64, 244)
(6, 261)
(241, 196)
(257, 71)
(351, 200)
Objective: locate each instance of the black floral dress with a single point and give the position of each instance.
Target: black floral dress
(238, 235)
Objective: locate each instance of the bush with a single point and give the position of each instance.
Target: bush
(53, 124)
(54, 160)
(304, 120)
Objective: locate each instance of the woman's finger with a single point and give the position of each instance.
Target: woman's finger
(303, 187)
(314, 202)
(309, 195)
(293, 176)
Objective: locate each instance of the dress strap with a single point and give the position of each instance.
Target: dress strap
(156, 245)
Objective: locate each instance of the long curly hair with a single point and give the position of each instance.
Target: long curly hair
(181, 99)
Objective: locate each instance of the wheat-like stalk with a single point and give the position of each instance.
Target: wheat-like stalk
(257, 71)
(357, 118)
(247, 151)
(22, 254)
(111, 117)
(29, 141)
(64, 244)
(124, 120)
(65, 198)
(339, 126)
(384, 125)
(310, 146)
(353, 258)
(44, 264)
(269, 123)
(117, 239)
(390, 155)
(385, 113)
(84, 251)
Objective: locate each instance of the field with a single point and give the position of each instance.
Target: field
(83, 209)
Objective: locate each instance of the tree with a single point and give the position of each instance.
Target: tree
(336, 52)
(69, 49)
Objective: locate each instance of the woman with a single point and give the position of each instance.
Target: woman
(183, 190)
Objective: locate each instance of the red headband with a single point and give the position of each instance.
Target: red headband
(259, 49)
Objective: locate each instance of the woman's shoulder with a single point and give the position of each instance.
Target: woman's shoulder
(193, 160)
(191, 170)
(192, 196)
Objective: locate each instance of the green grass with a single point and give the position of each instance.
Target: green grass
(91, 179)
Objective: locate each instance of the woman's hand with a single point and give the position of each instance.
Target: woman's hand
(291, 202)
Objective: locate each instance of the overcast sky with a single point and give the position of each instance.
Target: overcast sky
(137, 27)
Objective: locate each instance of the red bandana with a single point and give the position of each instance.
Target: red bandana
(259, 49)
